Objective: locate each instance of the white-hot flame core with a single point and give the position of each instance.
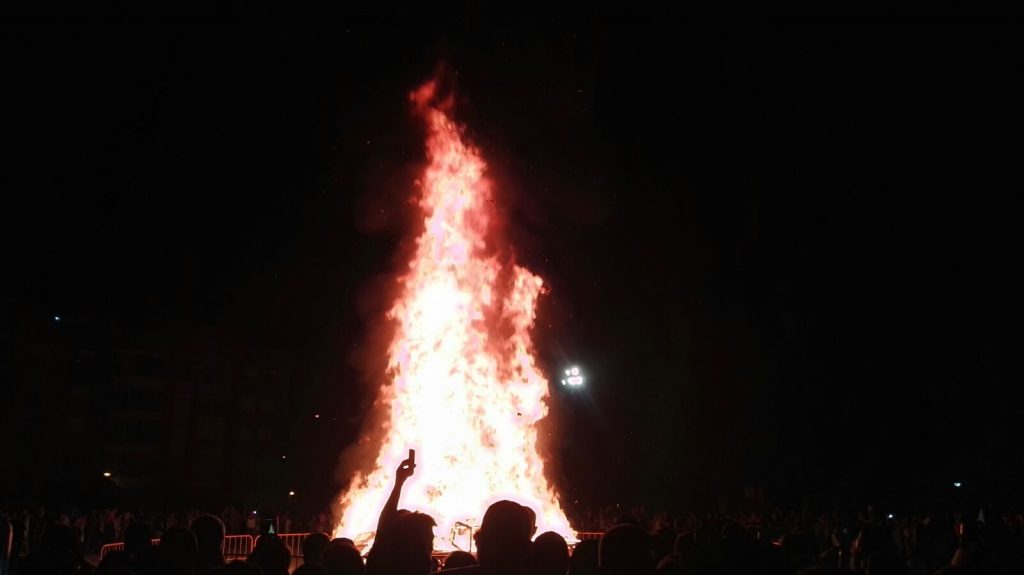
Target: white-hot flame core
(464, 388)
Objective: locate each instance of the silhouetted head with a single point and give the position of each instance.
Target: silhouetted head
(821, 570)
(503, 540)
(58, 550)
(885, 563)
(271, 555)
(59, 539)
(459, 559)
(238, 568)
(178, 550)
(310, 569)
(670, 565)
(403, 546)
(313, 547)
(870, 540)
(549, 554)
(137, 536)
(664, 542)
(209, 531)
(684, 545)
(584, 558)
(340, 557)
(626, 550)
(115, 563)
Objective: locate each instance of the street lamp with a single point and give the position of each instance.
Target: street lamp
(573, 377)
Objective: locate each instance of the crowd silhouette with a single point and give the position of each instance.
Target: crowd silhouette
(506, 543)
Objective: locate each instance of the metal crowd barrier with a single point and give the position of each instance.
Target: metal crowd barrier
(237, 546)
(110, 547)
(119, 546)
(240, 546)
(293, 541)
(233, 547)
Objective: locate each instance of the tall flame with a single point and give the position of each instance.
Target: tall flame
(464, 388)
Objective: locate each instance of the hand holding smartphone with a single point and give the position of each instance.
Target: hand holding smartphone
(407, 467)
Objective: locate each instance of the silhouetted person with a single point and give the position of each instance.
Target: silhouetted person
(310, 569)
(138, 536)
(885, 563)
(626, 550)
(209, 531)
(341, 558)
(404, 540)
(664, 542)
(313, 547)
(549, 555)
(684, 550)
(821, 570)
(178, 551)
(238, 568)
(58, 552)
(138, 542)
(6, 541)
(404, 547)
(272, 555)
(459, 559)
(116, 563)
(584, 558)
(503, 540)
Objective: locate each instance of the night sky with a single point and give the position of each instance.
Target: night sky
(782, 251)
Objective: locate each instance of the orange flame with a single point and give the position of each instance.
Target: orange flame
(465, 390)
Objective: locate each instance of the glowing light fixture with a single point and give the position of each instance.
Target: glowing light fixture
(573, 377)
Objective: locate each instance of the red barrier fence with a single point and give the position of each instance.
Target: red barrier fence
(240, 546)
(237, 546)
(293, 541)
(233, 547)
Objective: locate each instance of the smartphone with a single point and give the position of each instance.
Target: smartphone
(412, 457)
(268, 526)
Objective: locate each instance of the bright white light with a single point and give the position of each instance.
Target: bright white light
(56, 318)
(290, 493)
(890, 516)
(317, 416)
(573, 377)
(956, 484)
(106, 474)
(284, 457)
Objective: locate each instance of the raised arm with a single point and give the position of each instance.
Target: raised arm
(404, 472)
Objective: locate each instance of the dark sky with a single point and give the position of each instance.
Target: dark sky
(782, 251)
